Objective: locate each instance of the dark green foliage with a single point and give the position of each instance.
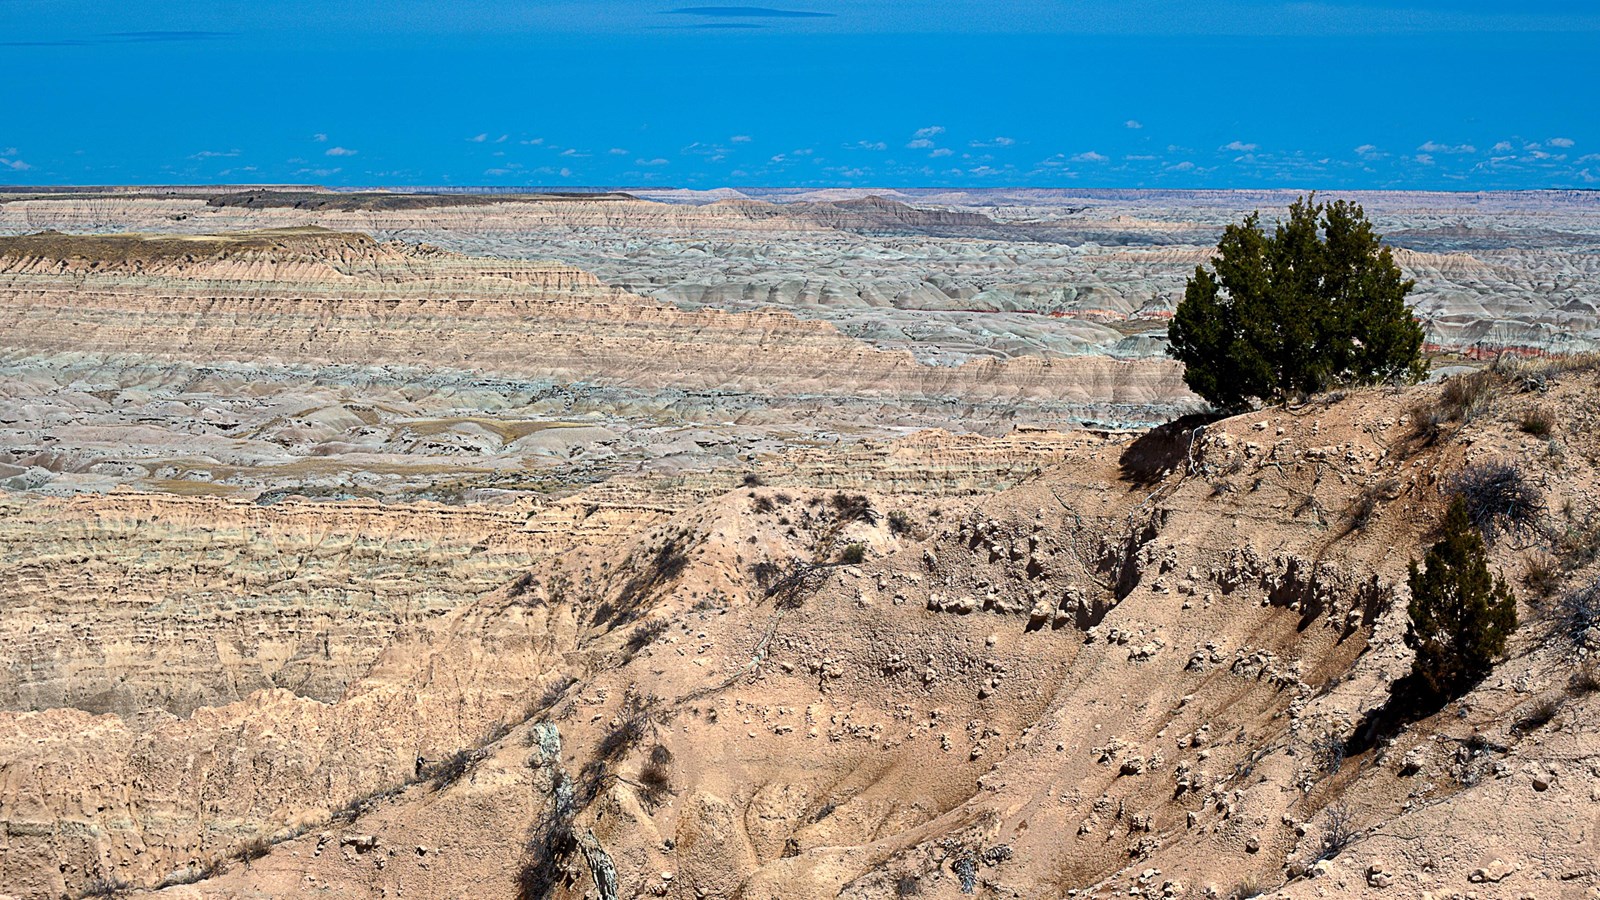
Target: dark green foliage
(1460, 615)
(1318, 303)
(853, 554)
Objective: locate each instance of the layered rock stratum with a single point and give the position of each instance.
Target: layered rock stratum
(948, 275)
(351, 566)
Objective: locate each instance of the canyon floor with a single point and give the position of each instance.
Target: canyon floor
(764, 545)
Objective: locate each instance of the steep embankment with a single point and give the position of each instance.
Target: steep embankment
(1134, 672)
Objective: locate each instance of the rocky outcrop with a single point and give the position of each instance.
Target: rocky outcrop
(1076, 684)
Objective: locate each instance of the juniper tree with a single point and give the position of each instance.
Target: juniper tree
(1460, 615)
(1320, 302)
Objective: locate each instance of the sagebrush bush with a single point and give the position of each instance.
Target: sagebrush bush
(1585, 680)
(1536, 422)
(1498, 497)
(1460, 399)
(1539, 714)
(1579, 611)
(854, 508)
(655, 776)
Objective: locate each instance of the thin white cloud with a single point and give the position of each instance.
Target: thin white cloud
(214, 154)
(930, 131)
(320, 138)
(1135, 124)
(479, 138)
(1424, 158)
(871, 145)
(1183, 166)
(534, 142)
(1562, 142)
(996, 142)
(1436, 147)
(341, 151)
(919, 144)
(658, 161)
(1365, 149)
(740, 139)
(1239, 146)
(15, 165)
(617, 151)
(1502, 147)
(1090, 156)
(942, 151)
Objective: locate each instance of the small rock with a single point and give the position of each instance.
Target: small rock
(1493, 873)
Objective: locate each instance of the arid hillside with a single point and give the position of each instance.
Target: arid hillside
(345, 566)
(1135, 671)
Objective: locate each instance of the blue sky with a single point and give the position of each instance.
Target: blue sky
(1445, 94)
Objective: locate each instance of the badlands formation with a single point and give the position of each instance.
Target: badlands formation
(784, 546)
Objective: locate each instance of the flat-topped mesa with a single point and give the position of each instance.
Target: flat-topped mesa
(385, 200)
(290, 259)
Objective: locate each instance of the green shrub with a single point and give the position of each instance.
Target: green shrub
(1460, 615)
(853, 554)
(1318, 303)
